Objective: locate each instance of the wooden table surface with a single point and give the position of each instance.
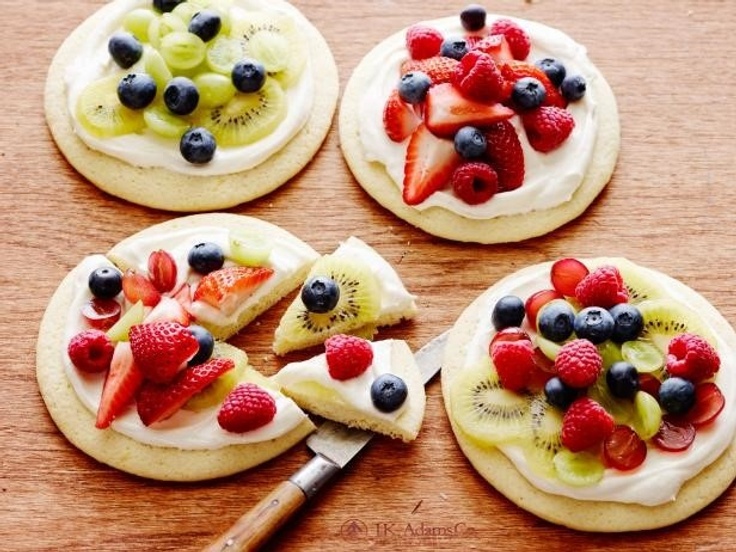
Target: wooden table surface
(670, 205)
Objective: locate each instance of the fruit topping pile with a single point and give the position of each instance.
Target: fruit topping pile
(140, 331)
(591, 373)
(196, 73)
(454, 102)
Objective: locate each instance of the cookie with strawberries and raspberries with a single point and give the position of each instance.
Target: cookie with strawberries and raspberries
(131, 361)
(480, 127)
(597, 394)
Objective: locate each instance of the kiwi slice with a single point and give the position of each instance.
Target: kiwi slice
(638, 282)
(664, 319)
(622, 410)
(247, 117)
(100, 112)
(546, 440)
(216, 391)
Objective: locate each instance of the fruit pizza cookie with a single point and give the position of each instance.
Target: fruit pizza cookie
(480, 128)
(596, 394)
(191, 105)
(130, 358)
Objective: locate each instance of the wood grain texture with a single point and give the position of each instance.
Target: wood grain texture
(670, 205)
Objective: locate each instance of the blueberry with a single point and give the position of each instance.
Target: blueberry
(181, 96)
(320, 294)
(206, 344)
(105, 282)
(136, 90)
(454, 47)
(166, 5)
(559, 394)
(554, 70)
(388, 392)
(622, 380)
(125, 49)
(508, 312)
(470, 142)
(594, 324)
(248, 75)
(676, 395)
(555, 321)
(197, 145)
(205, 24)
(473, 17)
(206, 257)
(528, 93)
(573, 88)
(627, 322)
(413, 86)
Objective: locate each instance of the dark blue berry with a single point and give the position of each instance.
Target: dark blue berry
(136, 90)
(554, 70)
(105, 282)
(454, 47)
(181, 96)
(627, 322)
(198, 145)
(320, 294)
(413, 86)
(248, 75)
(473, 17)
(206, 257)
(470, 142)
(676, 395)
(508, 312)
(206, 344)
(559, 394)
(594, 324)
(166, 5)
(573, 88)
(125, 49)
(388, 392)
(555, 321)
(528, 93)
(205, 24)
(622, 380)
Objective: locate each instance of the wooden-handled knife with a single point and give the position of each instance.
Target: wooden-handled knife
(334, 446)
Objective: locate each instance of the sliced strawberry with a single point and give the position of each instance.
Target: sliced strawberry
(161, 349)
(137, 287)
(168, 309)
(121, 384)
(399, 118)
(184, 295)
(438, 68)
(430, 162)
(157, 402)
(496, 46)
(446, 111)
(515, 70)
(162, 270)
(228, 287)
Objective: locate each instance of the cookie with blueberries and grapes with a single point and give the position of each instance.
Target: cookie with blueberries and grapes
(480, 127)
(131, 356)
(191, 105)
(596, 393)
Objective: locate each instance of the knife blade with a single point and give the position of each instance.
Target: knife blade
(334, 445)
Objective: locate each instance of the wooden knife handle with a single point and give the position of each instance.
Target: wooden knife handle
(257, 525)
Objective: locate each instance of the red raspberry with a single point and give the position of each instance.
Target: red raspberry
(603, 287)
(247, 407)
(347, 356)
(578, 363)
(91, 351)
(438, 68)
(517, 38)
(512, 71)
(423, 42)
(475, 182)
(585, 424)
(478, 78)
(691, 357)
(547, 127)
(505, 155)
(514, 362)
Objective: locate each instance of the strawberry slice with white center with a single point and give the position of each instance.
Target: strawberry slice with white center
(162, 349)
(430, 162)
(399, 118)
(121, 384)
(227, 288)
(447, 111)
(157, 402)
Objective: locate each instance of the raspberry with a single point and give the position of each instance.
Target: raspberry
(91, 351)
(547, 127)
(585, 424)
(475, 182)
(691, 357)
(514, 362)
(247, 407)
(438, 68)
(347, 356)
(505, 155)
(423, 42)
(478, 78)
(578, 363)
(603, 287)
(517, 38)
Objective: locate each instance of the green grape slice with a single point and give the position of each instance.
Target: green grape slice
(163, 25)
(214, 89)
(222, 54)
(648, 415)
(644, 355)
(250, 249)
(182, 50)
(137, 22)
(579, 469)
(164, 123)
(271, 49)
(154, 65)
